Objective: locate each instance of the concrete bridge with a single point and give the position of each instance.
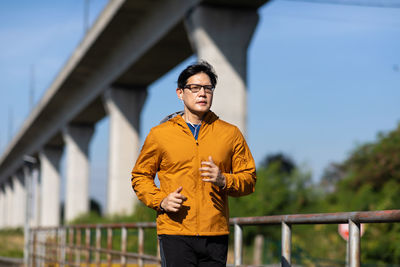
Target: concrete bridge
(131, 45)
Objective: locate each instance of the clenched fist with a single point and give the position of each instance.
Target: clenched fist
(173, 202)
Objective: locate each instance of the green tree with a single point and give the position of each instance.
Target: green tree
(376, 163)
(370, 181)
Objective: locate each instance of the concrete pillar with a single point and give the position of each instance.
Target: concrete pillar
(19, 200)
(49, 207)
(9, 203)
(2, 206)
(124, 106)
(221, 36)
(77, 139)
(35, 208)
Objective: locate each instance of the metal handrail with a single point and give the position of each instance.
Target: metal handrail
(382, 216)
(66, 253)
(286, 221)
(11, 262)
(69, 253)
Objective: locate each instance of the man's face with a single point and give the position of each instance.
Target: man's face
(199, 102)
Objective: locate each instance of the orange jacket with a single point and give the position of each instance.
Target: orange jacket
(171, 151)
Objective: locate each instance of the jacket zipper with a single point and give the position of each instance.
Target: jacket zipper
(199, 180)
(198, 183)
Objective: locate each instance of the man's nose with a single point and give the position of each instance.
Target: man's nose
(202, 91)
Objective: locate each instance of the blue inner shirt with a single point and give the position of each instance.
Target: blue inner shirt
(195, 130)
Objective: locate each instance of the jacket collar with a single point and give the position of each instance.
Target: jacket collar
(209, 118)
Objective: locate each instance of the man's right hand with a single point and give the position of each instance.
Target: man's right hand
(173, 202)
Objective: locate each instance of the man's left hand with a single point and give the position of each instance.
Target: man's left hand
(213, 173)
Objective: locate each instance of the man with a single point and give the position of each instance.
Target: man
(200, 160)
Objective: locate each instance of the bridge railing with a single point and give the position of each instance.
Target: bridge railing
(75, 245)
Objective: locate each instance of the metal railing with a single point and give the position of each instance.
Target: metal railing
(65, 246)
(76, 245)
(11, 262)
(286, 221)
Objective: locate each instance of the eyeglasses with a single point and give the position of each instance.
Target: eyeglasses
(195, 88)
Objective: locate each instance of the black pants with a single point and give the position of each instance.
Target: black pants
(201, 251)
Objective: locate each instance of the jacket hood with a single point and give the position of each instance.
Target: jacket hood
(170, 116)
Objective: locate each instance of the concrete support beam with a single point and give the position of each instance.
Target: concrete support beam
(2, 207)
(124, 106)
(221, 36)
(49, 207)
(77, 139)
(19, 200)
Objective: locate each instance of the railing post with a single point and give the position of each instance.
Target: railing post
(238, 244)
(49, 248)
(40, 249)
(98, 244)
(286, 245)
(124, 235)
(58, 244)
(258, 249)
(141, 246)
(70, 257)
(109, 245)
(87, 242)
(63, 232)
(354, 243)
(78, 246)
(54, 251)
(44, 247)
(34, 248)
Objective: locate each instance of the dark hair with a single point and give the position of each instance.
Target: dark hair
(202, 66)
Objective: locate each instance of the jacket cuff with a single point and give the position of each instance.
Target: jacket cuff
(157, 201)
(228, 181)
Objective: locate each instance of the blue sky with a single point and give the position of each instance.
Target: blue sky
(322, 78)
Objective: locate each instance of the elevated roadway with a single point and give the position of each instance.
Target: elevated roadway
(131, 45)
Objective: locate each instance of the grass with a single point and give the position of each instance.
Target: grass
(12, 243)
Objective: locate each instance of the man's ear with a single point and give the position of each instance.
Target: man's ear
(179, 93)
